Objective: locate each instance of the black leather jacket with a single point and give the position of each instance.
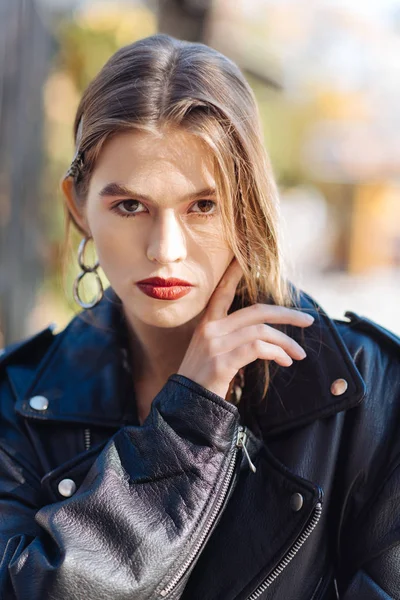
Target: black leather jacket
(94, 506)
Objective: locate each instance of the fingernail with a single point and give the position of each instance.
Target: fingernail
(302, 353)
(310, 318)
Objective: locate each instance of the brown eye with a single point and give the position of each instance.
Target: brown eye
(205, 206)
(127, 208)
(129, 205)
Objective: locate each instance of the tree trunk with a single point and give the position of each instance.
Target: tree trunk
(25, 47)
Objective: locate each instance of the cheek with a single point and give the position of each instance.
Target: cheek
(210, 237)
(220, 260)
(113, 241)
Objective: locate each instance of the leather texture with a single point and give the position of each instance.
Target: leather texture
(171, 509)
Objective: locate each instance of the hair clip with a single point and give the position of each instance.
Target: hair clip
(77, 162)
(75, 166)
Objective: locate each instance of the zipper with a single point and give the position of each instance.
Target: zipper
(289, 556)
(87, 439)
(241, 443)
(241, 437)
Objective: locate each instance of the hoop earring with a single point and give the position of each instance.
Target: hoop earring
(85, 270)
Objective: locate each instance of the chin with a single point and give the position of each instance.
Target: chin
(165, 315)
(166, 321)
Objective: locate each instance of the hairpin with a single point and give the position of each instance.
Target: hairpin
(75, 166)
(77, 162)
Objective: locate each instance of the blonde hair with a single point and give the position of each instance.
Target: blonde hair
(160, 82)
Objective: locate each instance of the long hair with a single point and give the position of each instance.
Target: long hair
(160, 81)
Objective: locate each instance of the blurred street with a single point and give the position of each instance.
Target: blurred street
(375, 296)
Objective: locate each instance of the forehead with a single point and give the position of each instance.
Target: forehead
(172, 158)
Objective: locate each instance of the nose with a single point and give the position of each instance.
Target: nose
(167, 240)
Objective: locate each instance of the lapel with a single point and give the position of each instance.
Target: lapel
(82, 374)
(303, 392)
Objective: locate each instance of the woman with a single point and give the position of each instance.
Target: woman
(218, 437)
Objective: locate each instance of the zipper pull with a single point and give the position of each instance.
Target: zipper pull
(241, 443)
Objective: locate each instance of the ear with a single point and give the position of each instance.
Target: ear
(73, 205)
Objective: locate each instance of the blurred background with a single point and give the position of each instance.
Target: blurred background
(326, 74)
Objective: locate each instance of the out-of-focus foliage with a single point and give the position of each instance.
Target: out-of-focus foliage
(96, 33)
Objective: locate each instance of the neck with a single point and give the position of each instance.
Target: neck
(158, 351)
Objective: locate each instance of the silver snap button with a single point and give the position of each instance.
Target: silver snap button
(38, 402)
(67, 487)
(339, 386)
(296, 502)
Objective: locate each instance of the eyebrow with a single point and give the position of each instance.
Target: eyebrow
(115, 189)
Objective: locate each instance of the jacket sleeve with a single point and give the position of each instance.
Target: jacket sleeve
(137, 523)
(373, 553)
(369, 565)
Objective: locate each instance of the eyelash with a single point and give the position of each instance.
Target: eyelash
(117, 210)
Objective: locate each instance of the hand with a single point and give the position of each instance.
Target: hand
(222, 344)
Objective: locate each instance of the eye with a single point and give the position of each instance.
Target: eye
(126, 208)
(205, 204)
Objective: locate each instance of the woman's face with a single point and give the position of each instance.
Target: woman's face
(157, 227)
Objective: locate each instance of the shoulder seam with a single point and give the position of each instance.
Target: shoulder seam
(369, 326)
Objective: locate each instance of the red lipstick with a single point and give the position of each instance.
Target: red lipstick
(164, 289)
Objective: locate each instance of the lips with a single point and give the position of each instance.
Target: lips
(161, 282)
(164, 289)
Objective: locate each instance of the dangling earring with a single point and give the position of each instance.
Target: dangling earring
(85, 270)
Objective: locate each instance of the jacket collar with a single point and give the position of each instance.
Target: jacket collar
(84, 373)
(85, 378)
(303, 393)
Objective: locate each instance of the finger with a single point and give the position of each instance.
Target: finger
(261, 313)
(260, 331)
(224, 293)
(247, 353)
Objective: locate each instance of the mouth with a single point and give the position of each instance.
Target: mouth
(164, 292)
(161, 282)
